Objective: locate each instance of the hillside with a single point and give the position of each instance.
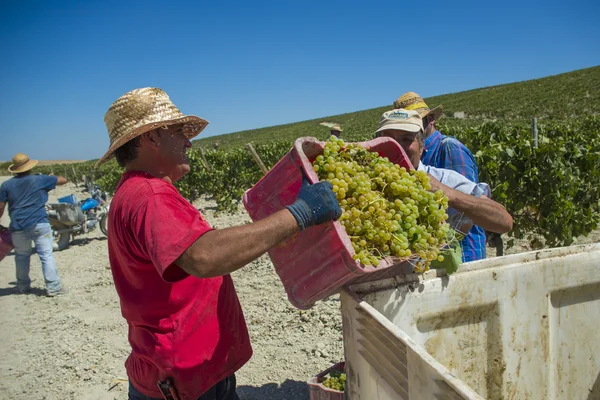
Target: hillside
(569, 95)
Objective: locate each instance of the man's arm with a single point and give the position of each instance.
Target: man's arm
(483, 211)
(220, 252)
(2, 205)
(61, 181)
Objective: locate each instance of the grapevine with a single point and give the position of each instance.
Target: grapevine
(551, 191)
(387, 209)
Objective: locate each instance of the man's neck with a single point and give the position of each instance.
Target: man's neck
(148, 168)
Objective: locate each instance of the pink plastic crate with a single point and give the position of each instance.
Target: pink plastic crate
(320, 392)
(317, 262)
(6, 245)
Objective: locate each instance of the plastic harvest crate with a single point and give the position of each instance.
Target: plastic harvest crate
(317, 262)
(320, 392)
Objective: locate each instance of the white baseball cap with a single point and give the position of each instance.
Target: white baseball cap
(402, 120)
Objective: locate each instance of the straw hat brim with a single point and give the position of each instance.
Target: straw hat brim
(23, 168)
(140, 130)
(437, 112)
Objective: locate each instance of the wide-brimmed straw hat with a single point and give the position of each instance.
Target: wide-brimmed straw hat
(336, 128)
(21, 163)
(402, 120)
(412, 101)
(141, 111)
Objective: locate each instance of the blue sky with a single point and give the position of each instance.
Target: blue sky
(245, 65)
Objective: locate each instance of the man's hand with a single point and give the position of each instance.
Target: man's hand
(315, 204)
(60, 181)
(436, 184)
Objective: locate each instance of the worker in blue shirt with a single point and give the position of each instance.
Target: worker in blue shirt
(26, 195)
(443, 151)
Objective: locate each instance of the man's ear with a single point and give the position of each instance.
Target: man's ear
(151, 138)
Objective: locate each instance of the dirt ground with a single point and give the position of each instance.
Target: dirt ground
(74, 346)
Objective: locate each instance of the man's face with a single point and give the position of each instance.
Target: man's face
(173, 151)
(335, 133)
(409, 143)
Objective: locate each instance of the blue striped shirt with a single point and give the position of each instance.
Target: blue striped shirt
(443, 151)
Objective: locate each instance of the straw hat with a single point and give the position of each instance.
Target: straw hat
(412, 101)
(141, 111)
(21, 163)
(336, 128)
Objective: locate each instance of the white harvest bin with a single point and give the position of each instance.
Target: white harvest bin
(524, 326)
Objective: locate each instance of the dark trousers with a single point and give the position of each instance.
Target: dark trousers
(224, 390)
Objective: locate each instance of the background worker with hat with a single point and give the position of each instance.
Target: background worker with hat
(443, 151)
(336, 130)
(26, 195)
(171, 268)
(468, 201)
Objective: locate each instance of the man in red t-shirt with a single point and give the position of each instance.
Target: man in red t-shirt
(171, 269)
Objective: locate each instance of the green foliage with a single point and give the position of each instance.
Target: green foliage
(231, 173)
(4, 168)
(573, 94)
(570, 95)
(552, 190)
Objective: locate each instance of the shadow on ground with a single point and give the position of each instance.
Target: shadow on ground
(288, 390)
(10, 291)
(86, 240)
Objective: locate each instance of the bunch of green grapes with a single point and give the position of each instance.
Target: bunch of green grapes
(387, 209)
(336, 381)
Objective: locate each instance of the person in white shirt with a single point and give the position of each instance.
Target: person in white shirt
(469, 202)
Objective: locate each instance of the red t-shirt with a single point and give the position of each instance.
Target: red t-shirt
(180, 326)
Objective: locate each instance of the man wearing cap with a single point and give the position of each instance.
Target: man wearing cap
(171, 269)
(468, 200)
(26, 195)
(336, 130)
(447, 152)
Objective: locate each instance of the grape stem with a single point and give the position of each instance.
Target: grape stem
(397, 238)
(377, 250)
(374, 201)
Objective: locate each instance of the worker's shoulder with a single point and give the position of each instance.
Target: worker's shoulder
(452, 143)
(7, 183)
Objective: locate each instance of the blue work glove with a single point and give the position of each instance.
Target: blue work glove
(315, 204)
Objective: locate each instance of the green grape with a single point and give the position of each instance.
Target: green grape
(336, 381)
(387, 210)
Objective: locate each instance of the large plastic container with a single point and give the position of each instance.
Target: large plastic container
(318, 391)
(523, 326)
(316, 262)
(6, 245)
